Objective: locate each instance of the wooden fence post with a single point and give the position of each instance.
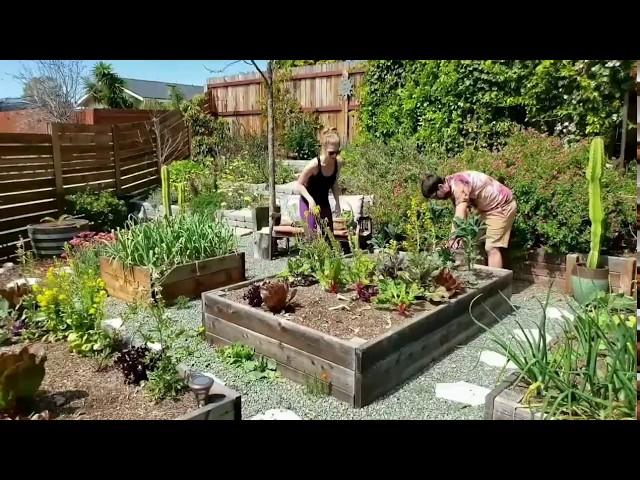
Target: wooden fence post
(56, 130)
(345, 110)
(115, 138)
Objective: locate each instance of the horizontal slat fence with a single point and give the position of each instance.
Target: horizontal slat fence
(37, 171)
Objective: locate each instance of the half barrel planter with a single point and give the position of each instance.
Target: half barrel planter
(187, 280)
(48, 239)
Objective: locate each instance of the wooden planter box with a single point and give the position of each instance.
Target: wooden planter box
(358, 371)
(188, 280)
(622, 273)
(503, 403)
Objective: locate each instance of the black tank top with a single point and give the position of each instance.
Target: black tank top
(319, 185)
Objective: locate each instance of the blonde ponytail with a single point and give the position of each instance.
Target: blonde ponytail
(329, 137)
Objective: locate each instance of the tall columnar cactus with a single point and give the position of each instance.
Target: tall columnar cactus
(180, 188)
(166, 190)
(596, 210)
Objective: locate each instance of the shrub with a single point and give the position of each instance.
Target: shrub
(547, 178)
(300, 136)
(549, 184)
(183, 171)
(449, 105)
(102, 209)
(391, 172)
(71, 307)
(210, 135)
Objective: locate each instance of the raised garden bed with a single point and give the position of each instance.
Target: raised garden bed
(317, 343)
(188, 280)
(503, 402)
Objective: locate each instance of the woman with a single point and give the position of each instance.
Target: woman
(494, 202)
(318, 177)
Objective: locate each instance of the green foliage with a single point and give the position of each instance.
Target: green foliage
(542, 174)
(184, 171)
(176, 97)
(182, 302)
(162, 244)
(71, 307)
(210, 135)
(318, 387)
(420, 231)
(332, 274)
(106, 88)
(103, 209)
(590, 373)
(448, 105)
(300, 135)
(470, 231)
(166, 190)
(206, 203)
(398, 294)
(398, 167)
(288, 64)
(244, 358)
(596, 211)
(21, 374)
(164, 380)
(362, 268)
(422, 267)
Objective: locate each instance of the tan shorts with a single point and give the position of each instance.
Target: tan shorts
(499, 225)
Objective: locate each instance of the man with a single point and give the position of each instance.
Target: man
(493, 201)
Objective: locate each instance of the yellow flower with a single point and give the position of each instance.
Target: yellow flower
(62, 297)
(632, 321)
(92, 311)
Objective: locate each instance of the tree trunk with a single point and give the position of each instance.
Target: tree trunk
(623, 141)
(272, 158)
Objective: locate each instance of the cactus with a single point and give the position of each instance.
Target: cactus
(596, 211)
(180, 188)
(21, 374)
(166, 190)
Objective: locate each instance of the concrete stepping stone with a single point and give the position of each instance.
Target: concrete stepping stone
(462, 392)
(556, 313)
(533, 334)
(495, 359)
(277, 414)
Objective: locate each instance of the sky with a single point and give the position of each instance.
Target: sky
(191, 72)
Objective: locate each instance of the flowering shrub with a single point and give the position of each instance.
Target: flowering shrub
(70, 306)
(91, 239)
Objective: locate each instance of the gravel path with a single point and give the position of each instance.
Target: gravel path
(414, 400)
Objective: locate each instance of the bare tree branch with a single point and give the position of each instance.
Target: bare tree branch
(54, 86)
(261, 72)
(167, 145)
(225, 67)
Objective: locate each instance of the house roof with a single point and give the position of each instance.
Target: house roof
(160, 90)
(10, 104)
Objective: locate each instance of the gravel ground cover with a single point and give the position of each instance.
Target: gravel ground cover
(416, 399)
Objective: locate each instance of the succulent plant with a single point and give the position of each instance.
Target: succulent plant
(276, 296)
(21, 374)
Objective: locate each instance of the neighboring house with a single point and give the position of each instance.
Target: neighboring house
(17, 116)
(140, 90)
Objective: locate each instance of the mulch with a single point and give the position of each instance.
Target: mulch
(74, 388)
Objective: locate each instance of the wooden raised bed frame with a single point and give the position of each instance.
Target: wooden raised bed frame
(502, 403)
(358, 371)
(188, 280)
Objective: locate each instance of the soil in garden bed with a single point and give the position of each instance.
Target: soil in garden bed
(73, 389)
(312, 308)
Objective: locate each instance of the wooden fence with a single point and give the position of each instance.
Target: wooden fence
(37, 171)
(238, 98)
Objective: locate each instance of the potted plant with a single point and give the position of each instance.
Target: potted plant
(591, 277)
(50, 235)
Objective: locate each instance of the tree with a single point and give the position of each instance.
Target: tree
(106, 88)
(167, 142)
(53, 86)
(267, 78)
(176, 97)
